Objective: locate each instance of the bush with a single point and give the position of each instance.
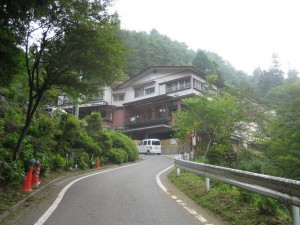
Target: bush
(10, 140)
(11, 173)
(57, 163)
(122, 141)
(251, 162)
(118, 156)
(82, 160)
(104, 140)
(84, 141)
(94, 123)
(217, 155)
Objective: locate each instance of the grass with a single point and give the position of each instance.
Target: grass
(11, 196)
(234, 206)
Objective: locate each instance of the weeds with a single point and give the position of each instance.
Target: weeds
(235, 206)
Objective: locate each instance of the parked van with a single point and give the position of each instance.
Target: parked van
(149, 146)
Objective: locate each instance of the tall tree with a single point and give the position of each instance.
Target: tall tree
(265, 80)
(73, 45)
(292, 76)
(211, 115)
(283, 131)
(202, 62)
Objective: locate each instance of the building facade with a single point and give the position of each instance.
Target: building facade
(142, 106)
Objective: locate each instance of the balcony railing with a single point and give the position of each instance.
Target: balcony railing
(141, 120)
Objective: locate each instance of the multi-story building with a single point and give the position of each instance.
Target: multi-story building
(142, 106)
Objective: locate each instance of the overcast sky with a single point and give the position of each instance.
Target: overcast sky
(243, 32)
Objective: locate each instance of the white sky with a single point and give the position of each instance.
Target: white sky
(243, 32)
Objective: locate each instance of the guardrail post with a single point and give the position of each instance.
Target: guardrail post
(178, 171)
(296, 215)
(207, 184)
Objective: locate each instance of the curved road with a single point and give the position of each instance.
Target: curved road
(133, 194)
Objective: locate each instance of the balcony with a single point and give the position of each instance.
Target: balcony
(142, 120)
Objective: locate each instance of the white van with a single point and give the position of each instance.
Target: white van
(149, 146)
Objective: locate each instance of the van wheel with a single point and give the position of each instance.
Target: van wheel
(148, 152)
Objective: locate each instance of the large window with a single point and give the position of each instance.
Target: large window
(198, 85)
(118, 98)
(178, 85)
(143, 91)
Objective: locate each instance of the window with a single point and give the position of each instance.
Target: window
(107, 114)
(155, 142)
(118, 98)
(143, 92)
(198, 85)
(178, 85)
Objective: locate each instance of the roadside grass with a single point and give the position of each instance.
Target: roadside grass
(11, 196)
(230, 202)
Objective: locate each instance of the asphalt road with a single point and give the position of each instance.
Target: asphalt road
(133, 194)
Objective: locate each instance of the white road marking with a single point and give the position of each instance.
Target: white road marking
(201, 218)
(174, 197)
(180, 202)
(60, 196)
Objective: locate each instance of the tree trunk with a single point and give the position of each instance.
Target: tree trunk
(17, 149)
(32, 106)
(207, 147)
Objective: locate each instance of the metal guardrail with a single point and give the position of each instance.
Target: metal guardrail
(285, 190)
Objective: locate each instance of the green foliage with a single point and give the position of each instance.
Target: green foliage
(94, 123)
(60, 61)
(104, 140)
(218, 153)
(282, 144)
(211, 115)
(226, 201)
(10, 56)
(118, 155)
(70, 129)
(10, 140)
(252, 161)
(122, 141)
(82, 160)
(57, 162)
(267, 206)
(11, 173)
(43, 125)
(86, 143)
(153, 49)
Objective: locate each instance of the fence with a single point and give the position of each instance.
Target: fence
(285, 190)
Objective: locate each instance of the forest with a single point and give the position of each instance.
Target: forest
(41, 54)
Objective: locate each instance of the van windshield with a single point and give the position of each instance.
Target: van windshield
(155, 142)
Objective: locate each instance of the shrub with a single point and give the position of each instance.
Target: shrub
(266, 205)
(10, 140)
(105, 141)
(57, 162)
(251, 162)
(88, 144)
(11, 173)
(82, 160)
(122, 141)
(118, 156)
(217, 154)
(94, 123)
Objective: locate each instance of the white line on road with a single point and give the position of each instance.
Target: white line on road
(180, 202)
(60, 196)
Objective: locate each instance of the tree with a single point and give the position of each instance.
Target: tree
(268, 79)
(10, 57)
(212, 115)
(283, 142)
(202, 62)
(292, 76)
(73, 45)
